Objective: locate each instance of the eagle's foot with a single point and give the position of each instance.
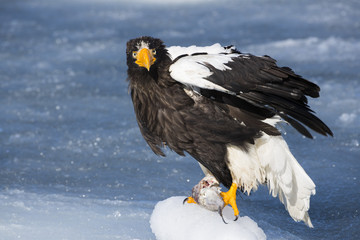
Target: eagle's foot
(229, 197)
(189, 200)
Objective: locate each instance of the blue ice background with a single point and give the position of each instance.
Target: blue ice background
(73, 164)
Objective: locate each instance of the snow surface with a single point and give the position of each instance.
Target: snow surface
(73, 164)
(173, 220)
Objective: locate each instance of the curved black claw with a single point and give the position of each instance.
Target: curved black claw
(220, 212)
(236, 218)
(185, 200)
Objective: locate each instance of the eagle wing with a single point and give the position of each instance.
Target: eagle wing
(254, 90)
(256, 80)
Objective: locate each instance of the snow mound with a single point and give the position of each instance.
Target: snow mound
(171, 220)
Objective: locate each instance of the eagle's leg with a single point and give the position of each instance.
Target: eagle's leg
(229, 197)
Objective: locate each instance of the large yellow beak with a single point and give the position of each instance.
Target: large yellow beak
(145, 58)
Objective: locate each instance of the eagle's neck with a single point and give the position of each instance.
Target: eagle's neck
(144, 93)
(154, 93)
(149, 87)
(147, 97)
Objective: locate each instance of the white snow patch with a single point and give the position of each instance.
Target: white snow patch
(162, 2)
(347, 118)
(171, 220)
(36, 216)
(145, 2)
(311, 48)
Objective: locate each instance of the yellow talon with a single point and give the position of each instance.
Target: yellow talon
(189, 200)
(229, 197)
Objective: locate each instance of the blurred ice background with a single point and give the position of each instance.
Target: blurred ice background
(73, 164)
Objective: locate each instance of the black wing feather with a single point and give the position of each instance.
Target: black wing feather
(262, 83)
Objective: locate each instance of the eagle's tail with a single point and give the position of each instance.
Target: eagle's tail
(285, 177)
(270, 161)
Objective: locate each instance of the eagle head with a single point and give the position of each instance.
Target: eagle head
(144, 53)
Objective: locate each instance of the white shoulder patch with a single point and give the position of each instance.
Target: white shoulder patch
(192, 70)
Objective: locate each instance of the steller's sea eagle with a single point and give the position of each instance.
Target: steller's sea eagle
(221, 106)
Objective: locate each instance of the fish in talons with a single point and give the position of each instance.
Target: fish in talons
(207, 194)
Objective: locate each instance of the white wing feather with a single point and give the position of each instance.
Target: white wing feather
(191, 70)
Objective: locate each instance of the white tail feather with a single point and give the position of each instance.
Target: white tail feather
(271, 159)
(285, 177)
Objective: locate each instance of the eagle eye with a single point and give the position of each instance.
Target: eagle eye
(134, 54)
(153, 51)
